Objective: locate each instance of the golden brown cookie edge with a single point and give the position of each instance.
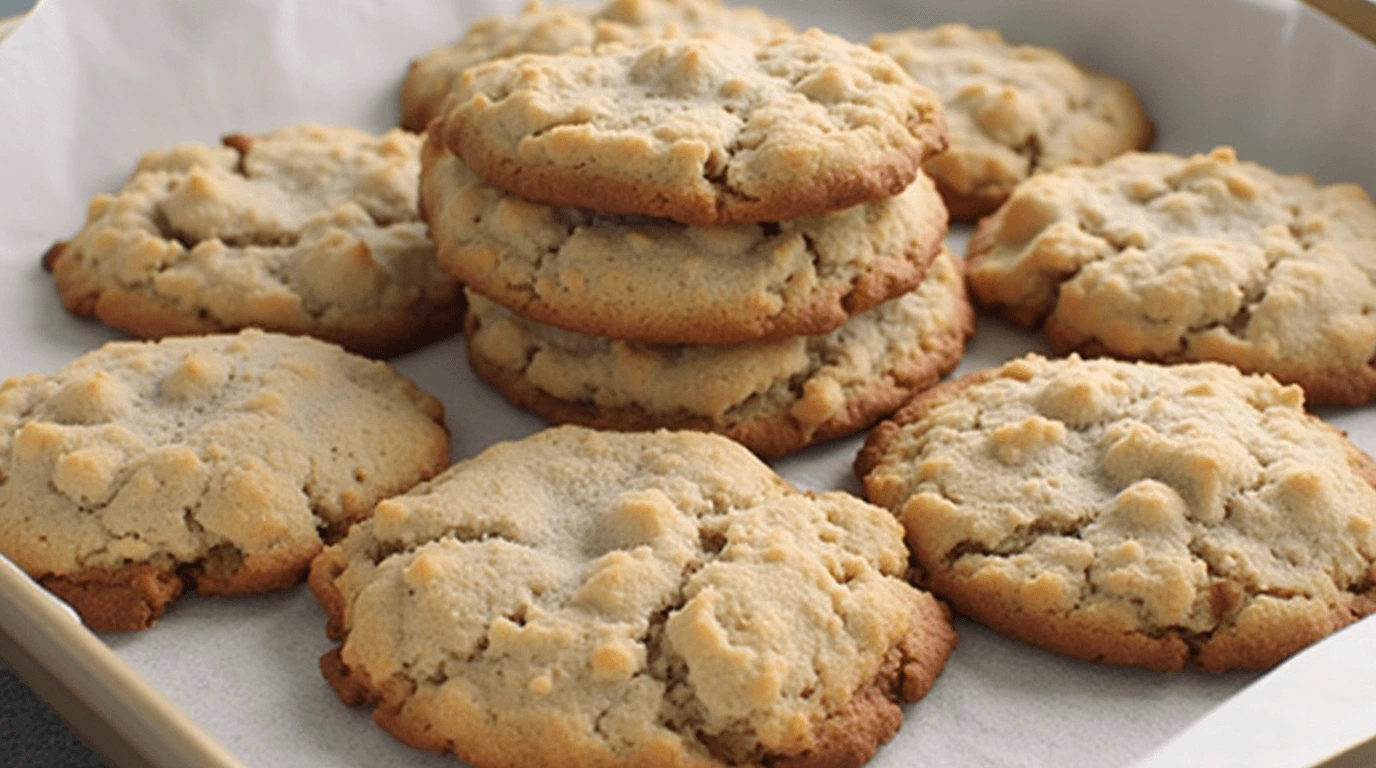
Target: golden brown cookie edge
(614, 194)
(848, 738)
(771, 437)
(148, 318)
(1004, 612)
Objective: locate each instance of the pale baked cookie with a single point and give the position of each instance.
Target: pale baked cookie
(215, 463)
(657, 281)
(1132, 513)
(703, 130)
(589, 598)
(557, 28)
(1013, 110)
(307, 230)
(775, 397)
(1165, 258)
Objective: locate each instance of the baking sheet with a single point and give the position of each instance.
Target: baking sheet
(88, 85)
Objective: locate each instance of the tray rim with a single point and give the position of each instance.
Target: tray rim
(118, 712)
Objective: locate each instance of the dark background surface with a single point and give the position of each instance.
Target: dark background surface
(11, 7)
(31, 734)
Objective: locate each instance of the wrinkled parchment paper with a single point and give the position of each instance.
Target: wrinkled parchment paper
(86, 86)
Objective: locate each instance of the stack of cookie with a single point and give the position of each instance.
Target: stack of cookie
(699, 232)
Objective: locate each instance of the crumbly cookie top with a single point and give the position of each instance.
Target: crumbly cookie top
(661, 597)
(703, 130)
(654, 280)
(1200, 258)
(307, 229)
(1014, 110)
(1190, 506)
(230, 449)
(812, 378)
(539, 28)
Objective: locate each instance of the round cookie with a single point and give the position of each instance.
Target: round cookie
(1012, 111)
(1173, 259)
(306, 230)
(658, 281)
(558, 28)
(216, 463)
(704, 130)
(1132, 513)
(774, 397)
(634, 599)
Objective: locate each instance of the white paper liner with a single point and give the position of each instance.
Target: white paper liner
(86, 86)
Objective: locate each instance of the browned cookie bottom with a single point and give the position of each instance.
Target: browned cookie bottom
(847, 739)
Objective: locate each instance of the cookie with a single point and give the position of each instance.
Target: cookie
(632, 599)
(704, 130)
(658, 281)
(559, 28)
(1012, 111)
(215, 463)
(306, 230)
(1173, 259)
(1132, 513)
(775, 397)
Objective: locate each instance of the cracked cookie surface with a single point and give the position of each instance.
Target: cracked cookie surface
(703, 130)
(557, 28)
(1012, 111)
(1132, 513)
(1172, 259)
(307, 230)
(216, 463)
(634, 599)
(774, 397)
(658, 281)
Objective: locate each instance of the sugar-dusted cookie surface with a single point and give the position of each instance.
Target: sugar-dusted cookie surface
(559, 27)
(216, 463)
(703, 130)
(658, 281)
(307, 230)
(1012, 111)
(1132, 513)
(1166, 258)
(632, 599)
(774, 397)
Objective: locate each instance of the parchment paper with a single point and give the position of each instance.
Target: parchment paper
(88, 85)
